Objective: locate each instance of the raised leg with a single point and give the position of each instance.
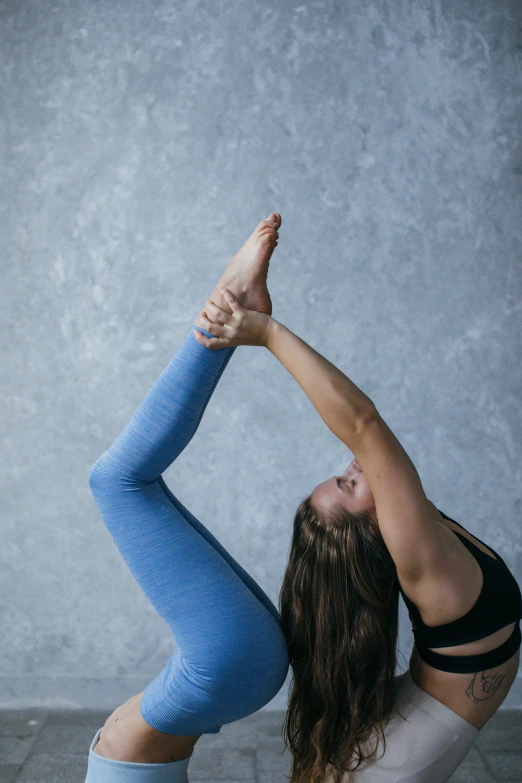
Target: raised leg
(231, 657)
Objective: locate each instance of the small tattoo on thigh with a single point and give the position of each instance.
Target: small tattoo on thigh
(484, 686)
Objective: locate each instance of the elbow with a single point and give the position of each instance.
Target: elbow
(360, 425)
(349, 430)
(367, 416)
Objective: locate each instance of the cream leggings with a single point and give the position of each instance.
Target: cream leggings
(426, 745)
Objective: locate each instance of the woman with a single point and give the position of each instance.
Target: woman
(358, 540)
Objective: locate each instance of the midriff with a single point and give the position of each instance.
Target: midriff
(126, 736)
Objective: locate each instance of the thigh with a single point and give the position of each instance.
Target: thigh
(207, 606)
(256, 590)
(231, 656)
(425, 740)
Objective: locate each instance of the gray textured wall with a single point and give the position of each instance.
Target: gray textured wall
(141, 143)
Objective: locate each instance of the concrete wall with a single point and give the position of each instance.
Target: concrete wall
(141, 143)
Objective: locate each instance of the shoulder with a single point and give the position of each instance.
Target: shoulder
(406, 518)
(441, 591)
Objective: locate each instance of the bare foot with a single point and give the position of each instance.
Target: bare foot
(246, 272)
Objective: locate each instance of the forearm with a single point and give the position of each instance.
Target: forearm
(339, 402)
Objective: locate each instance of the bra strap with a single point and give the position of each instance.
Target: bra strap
(465, 664)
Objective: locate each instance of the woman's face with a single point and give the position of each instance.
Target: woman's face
(350, 490)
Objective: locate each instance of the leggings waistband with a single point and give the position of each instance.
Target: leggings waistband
(104, 770)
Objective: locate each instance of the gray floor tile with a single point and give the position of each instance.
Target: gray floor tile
(502, 732)
(221, 765)
(270, 720)
(78, 717)
(248, 733)
(23, 723)
(273, 744)
(507, 765)
(472, 770)
(9, 774)
(58, 768)
(72, 740)
(272, 727)
(271, 777)
(217, 741)
(15, 749)
(271, 730)
(273, 760)
(241, 735)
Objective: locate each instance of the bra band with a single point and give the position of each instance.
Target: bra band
(466, 664)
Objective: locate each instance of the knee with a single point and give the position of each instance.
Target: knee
(99, 476)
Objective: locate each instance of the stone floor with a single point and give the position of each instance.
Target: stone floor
(40, 746)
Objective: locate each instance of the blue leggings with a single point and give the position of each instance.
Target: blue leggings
(231, 656)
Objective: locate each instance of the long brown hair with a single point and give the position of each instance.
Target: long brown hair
(339, 606)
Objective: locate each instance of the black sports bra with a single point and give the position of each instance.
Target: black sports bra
(498, 605)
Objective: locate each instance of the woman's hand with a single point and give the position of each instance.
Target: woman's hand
(243, 327)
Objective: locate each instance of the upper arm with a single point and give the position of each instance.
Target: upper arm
(404, 513)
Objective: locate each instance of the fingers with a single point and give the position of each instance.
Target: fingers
(232, 300)
(215, 344)
(211, 327)
(216, 312)
(220, 330)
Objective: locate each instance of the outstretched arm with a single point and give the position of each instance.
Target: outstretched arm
(404, 512)
(340, 403)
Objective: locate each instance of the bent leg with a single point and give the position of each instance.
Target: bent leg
(231, 657)
(205, 532)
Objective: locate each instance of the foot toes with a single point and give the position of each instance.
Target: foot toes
(269, 232)
(274, 219)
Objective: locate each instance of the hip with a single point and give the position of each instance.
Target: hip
(475, 696)
(425, 740)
